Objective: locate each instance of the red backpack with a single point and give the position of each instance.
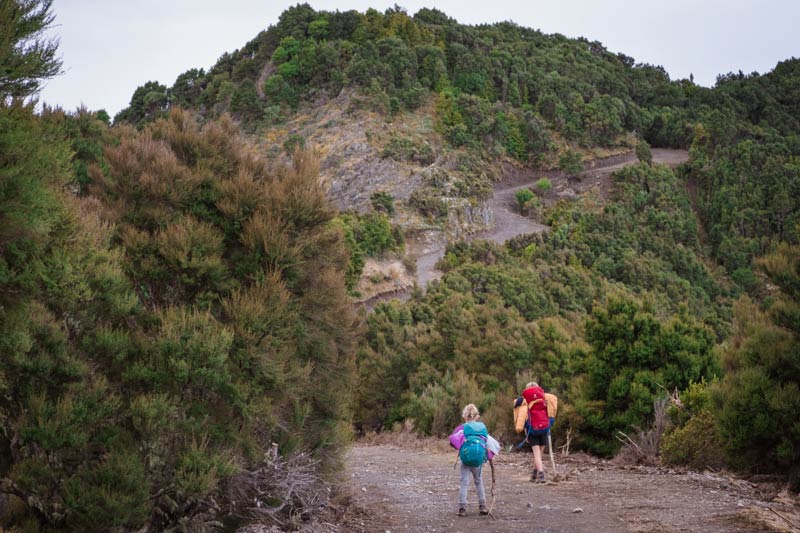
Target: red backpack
(537, 409)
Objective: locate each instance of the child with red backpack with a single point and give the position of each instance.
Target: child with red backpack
(537, 425)
(475, 447)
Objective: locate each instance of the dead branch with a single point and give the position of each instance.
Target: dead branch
(645, 444)
(564, 448)
(279, 491)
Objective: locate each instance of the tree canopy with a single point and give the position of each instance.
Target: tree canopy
(27, 57)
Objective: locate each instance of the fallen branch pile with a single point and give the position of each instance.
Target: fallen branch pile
(283, 492)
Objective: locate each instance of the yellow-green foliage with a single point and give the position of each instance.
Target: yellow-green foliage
(696, 444)
(694, 440)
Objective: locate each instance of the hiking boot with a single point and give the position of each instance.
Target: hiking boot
(462, 511)
(541, 477)
(535, 476)
(483, 510)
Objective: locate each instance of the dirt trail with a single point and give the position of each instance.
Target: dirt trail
(509, 224)
(403, 490)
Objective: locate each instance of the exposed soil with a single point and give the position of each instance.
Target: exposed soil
(399, 489)
(350, 136)
(381, 277)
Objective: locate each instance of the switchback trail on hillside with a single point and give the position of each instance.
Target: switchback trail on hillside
(508, 223)
(399, 489)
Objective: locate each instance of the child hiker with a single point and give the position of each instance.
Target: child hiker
(475, 447)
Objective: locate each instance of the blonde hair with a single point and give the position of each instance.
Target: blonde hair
(470, 413)
(531, 384)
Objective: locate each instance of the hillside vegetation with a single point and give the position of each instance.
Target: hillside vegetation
(174, 287)
(164, 327)
(504, 91)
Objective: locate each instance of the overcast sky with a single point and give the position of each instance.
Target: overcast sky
(109, 47)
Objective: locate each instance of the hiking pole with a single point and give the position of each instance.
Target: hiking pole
(494, 496)
(552, 457)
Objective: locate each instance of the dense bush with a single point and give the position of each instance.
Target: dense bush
(373, 232)
(382, 201)
(523, 196)
(647, 239)
(370, 234)
(746, 199)
(694, 440)
(643, 152)
(161, 334)
(571, 163)
(404, 149)
(759, 396)
(544, 185)
(634, 358)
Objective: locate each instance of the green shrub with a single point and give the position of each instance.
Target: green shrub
(633, 355)
(413, 97)
(373, 232)
(760, 394)
(356, 261)
(437, 409)
(245, 101)
(405, 149)
(293, 142)
(544, 184)
(694, 439)
(382, 201)
(429, 203)
(643, 152)
(279, 91)
(114, 492)
(370, 234)
(523, 196)
(571, 163)
(161, 333)
(696, 444)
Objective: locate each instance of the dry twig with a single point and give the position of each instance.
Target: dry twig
(564, 448)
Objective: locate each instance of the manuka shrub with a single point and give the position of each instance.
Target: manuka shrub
(634, 357)
(759, 396)
(160, 334)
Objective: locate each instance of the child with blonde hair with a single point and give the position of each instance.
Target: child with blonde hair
(470, 439)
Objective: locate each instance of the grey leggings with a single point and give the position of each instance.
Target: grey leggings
(475, 471)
